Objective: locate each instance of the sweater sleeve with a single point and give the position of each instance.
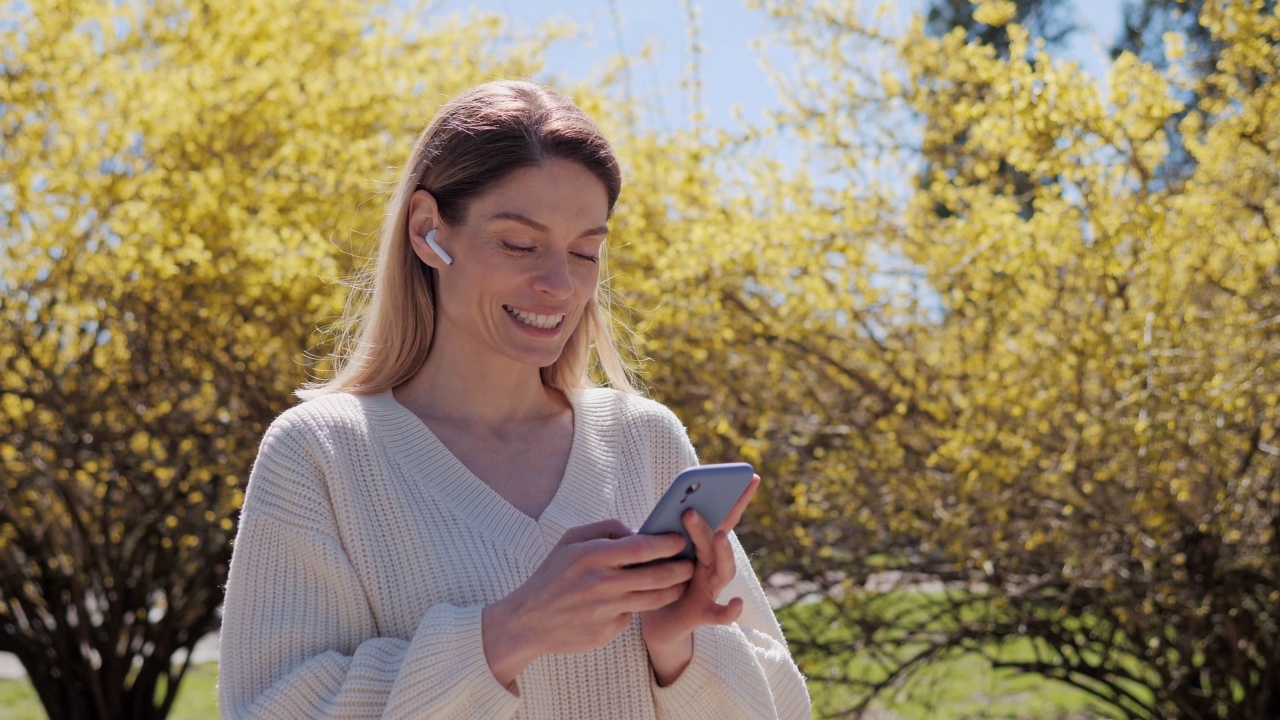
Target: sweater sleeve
(741, 670)
(298, 637)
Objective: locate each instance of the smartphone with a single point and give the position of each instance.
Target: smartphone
(712, 490)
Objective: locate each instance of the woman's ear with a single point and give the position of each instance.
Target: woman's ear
(423, 228)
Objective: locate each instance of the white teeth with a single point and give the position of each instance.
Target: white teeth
(544, 322)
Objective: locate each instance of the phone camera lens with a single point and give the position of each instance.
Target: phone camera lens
(693, 488)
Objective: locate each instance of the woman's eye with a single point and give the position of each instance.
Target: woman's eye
(586, 258)
(516, 248)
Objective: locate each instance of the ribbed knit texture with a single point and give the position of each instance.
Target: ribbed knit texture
(366, 552)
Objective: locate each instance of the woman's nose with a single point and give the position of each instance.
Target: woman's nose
(553, 278)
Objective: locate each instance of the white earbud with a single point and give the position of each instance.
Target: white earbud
(431, 240)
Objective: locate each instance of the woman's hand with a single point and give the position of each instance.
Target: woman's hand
(668, 630)
(582, 596)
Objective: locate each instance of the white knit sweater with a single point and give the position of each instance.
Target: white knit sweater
(366, 552)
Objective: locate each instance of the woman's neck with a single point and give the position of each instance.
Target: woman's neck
(486, 395)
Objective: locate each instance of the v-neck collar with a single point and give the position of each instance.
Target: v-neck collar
(585, 493)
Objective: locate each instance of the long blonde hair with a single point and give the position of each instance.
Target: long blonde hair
(475, 140)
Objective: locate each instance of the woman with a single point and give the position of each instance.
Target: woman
(444, 529)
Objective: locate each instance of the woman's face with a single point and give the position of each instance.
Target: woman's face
(525, 262)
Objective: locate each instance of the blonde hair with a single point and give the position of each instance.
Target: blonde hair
(475, 140)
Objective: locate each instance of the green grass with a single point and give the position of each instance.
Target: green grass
(951, 688)
(197, 697)
(18, 701)
(961, 687)
(198, 694)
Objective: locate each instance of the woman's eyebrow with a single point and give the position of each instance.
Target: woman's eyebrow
(600, 231)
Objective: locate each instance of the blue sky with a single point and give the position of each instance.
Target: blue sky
(730, 66)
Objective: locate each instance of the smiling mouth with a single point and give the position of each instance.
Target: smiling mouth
(542, 322)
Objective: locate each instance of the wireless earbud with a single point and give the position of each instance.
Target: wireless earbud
(431, 240)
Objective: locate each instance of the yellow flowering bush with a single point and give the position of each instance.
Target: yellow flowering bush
(1035, 373)
(180, 183)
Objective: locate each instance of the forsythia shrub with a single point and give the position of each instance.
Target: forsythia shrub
(180, 183)
(1055, 401)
